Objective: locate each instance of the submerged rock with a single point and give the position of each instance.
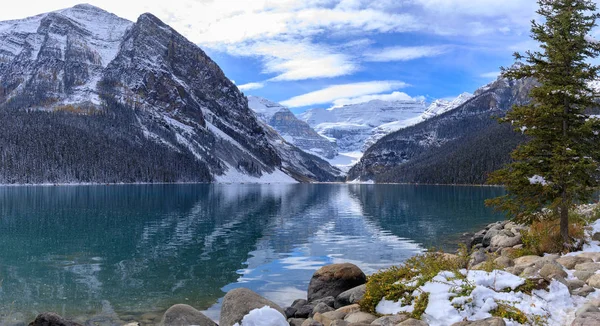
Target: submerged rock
(51, 319)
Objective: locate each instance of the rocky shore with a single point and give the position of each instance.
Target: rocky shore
(494, 289)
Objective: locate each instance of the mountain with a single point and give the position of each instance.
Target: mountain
(460, 146)
(442, 106)
(86, 96)
(292, 129)
(352, 125)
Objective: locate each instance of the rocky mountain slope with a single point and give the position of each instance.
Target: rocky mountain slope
(459, 146)
(292, 129)
(89, 97)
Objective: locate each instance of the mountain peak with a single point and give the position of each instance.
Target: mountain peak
(87, 6)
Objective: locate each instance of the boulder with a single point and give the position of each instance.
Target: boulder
(351, 296)
(595, 256)
(330, 301)
(575, 284)
(298, 303)
(51, 319)
(596, 236)
(296, 321)
(487, 239)
(390, 320)
(588, 307)
(492, 321)
(334, 279)
(550, 270)
(477, 257)
(322, 319)
(360, 317)
(304, 311)
(569, 262)
(583, 275)
(334, 315)
(413, 322)
(477, 238)
(588, 267)
(594, 281)
(349, 309)
(311, 322)
(584, 291)
(339, 323)
(183, 315)
(504, 262)
(505, 241)
(587, 319)
(527, 260)
(290, 312)
(239, 302)
(320, 308)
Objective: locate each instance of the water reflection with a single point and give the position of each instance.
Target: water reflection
(107, 252)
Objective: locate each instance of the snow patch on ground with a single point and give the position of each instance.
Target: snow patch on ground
(265, 316)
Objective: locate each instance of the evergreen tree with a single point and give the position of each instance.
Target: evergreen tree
(558, 166)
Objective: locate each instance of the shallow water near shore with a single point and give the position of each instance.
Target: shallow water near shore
(111, 254)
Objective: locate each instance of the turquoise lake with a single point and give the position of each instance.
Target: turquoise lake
(109, 254)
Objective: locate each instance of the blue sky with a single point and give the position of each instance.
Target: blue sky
(323, 53)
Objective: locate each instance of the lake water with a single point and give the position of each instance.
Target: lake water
(114, 253)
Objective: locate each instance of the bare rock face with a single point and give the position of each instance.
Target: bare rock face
(238, 303)
(334, 279)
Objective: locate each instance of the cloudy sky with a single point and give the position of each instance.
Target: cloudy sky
(321, 53)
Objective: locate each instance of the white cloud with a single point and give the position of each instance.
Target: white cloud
(490, 75)
(250, 86)
(400, 53)
(297, 60)
(394, 96)
(344, 91)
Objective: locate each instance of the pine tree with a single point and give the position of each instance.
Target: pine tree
(558, 166)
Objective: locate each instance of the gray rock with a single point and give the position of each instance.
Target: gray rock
(330, 301)
(477, 257)
(298, 303)
(594, 281)
(588, 307)
(51, 319)
(504, 262)
(575, 284)
(596, 236)
(339, 323)
(239, 302)
(334, 279)
(296, 321)
(492, 321)
(487, 239)
(413, 322)
(569, 262)
(595, 256)
(304, 311)
(587, 319)
(584, 291)
(550, 270)
(333, 315)
(390, 320)
(477, 238)
(505, 241)
(351, 296)
(321, 307)
(582, 275)
(290, 312)
(588, 267)
(183, 315)
(360, 317)
(311, 322)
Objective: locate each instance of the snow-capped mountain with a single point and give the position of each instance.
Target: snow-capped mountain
(109, 100)
(461, 145)
(352, 125)
(292, 129)
(442, 106)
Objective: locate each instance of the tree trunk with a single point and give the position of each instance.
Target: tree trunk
(564, 219)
